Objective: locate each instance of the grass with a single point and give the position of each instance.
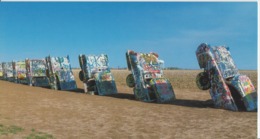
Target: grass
(5, 130)
(39, 135)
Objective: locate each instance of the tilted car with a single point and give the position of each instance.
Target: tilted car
(36, 72)
(1, 71)
(60, 73)
(96, 75)
(228, 88)
(147, 79)
(8, 71)
(19, 72)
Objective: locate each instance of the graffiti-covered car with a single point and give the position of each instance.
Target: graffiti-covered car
(1, 71)
(8, 71)
(19, 72)
(147, 79)
(96, 75)
(36, 72)
(228, 88)
(60, 73)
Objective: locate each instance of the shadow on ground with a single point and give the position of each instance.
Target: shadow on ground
(194, 103)
(78, 90)
(123, 96)
(179, 102)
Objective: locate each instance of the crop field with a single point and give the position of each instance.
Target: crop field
(34, 112)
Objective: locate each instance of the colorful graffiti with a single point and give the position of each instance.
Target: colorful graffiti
(8, 71)
(36, 72)
(246, 90)
(95, 64)
(38, 68)
(163, 89)
(60, 73)
(19, 72)
(148, 81)
(95, 68)
(228, 89)
(1, 71)
(226, 64)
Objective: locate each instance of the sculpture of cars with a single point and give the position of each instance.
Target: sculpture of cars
(1, 71)
(19, 72)
(36, 72)
(8, 71)
(60, 73)
(228, 88)
(96, 75)
(147, 79)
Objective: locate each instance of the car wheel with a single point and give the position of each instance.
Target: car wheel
(81, 75)
(130, 81)
(202, 81)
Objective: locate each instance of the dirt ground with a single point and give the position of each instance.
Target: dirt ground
(75, 115)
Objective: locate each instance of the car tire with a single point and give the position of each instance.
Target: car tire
(130, 81)
(202, 81)
(81, 75)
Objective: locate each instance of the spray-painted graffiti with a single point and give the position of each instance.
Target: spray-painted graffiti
(38, 68)
(226, 64)
(60, 73)
(19, 72)
(147, 78)
(95, 64)
(96, 75)
(1, 71)
(36, 72)
(8, 71)
(246, 90)
(228, 89)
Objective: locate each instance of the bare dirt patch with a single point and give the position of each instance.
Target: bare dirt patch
(68, 114)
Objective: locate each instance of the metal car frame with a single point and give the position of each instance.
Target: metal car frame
(228, 88)
(1, 72)
(8, 71)
(19, 72)
(147, 79)
(36, 72)
(96, 75)
(60, 73)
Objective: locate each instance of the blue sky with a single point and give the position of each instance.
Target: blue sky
(172, 29)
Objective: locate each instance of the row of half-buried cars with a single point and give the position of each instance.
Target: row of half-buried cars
(54, 72)
(228, 88)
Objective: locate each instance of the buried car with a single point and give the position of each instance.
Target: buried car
(147, 79)
(60, 73)
(8, 71)
(228, 88)
(1, 71)
(19, 72)
(96, 75)
(36, 72)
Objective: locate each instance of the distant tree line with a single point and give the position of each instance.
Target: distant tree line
(172, 68)
(167, 68)
(125, 68)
